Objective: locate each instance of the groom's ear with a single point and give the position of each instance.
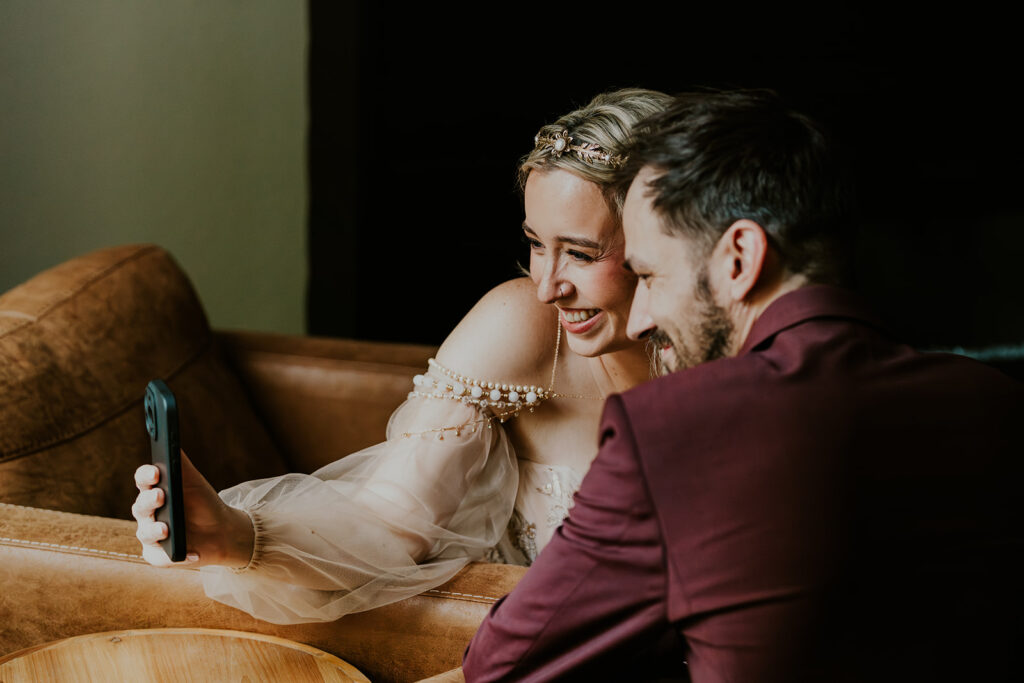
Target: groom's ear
(738, 260)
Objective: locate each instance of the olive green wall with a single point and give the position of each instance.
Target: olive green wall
(170, 121)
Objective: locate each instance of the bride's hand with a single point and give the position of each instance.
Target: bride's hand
(214, 532)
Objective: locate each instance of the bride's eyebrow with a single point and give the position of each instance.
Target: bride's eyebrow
(568, 239)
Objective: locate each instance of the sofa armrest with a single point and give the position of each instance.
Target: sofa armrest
(66, 575)
(321, 398)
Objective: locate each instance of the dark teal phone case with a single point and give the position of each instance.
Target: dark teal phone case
(165, 444)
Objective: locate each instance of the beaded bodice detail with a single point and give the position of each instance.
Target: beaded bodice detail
(542, 502)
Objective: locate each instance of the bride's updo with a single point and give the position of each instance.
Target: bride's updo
(588, 141)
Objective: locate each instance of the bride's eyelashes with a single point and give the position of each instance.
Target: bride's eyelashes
(575, 254)
(580, 256)
(534, 243)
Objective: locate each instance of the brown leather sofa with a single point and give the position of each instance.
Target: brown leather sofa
(78, 343)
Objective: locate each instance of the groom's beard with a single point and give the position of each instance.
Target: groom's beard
(655, 343)
(707, 338)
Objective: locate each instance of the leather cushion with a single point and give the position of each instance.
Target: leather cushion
(78, 344)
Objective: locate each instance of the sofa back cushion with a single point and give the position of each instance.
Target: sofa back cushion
(78, 344)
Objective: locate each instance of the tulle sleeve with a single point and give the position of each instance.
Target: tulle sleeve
(376, 526)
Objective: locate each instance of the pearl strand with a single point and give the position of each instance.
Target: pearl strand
(503, 395)
(469, 390)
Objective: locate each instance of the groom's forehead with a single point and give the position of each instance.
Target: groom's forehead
(643, 226)
(638, 208)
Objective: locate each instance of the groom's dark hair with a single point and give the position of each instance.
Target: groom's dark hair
(726, 155)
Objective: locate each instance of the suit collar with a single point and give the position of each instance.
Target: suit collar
(812, 301)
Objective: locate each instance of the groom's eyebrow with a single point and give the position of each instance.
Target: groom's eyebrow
(568, 239)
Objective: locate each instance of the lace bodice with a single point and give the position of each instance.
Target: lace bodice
(402, 516)
(543, 499)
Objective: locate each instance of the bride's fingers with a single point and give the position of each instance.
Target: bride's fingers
(146, 476)
(146, 504)
(151, 533)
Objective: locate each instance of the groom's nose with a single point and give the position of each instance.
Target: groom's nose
(640, 324)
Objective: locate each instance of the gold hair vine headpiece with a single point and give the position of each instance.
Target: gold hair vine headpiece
(590, 152)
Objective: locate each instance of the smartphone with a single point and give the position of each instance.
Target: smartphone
(165, 444)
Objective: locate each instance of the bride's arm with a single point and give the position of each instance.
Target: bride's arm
(376, 526)
(404, 515)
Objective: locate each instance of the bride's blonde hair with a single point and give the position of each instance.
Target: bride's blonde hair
(589, 141)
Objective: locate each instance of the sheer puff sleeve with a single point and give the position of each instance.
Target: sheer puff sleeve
(376, 526)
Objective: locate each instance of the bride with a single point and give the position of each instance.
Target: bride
(482, 460)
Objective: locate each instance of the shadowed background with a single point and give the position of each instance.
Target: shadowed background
(427, 218)
(347, 168)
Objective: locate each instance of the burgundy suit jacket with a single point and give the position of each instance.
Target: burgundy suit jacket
(827, 505)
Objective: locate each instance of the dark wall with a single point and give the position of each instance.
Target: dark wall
(418, 118)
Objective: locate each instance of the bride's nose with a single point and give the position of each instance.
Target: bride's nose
(552, 286)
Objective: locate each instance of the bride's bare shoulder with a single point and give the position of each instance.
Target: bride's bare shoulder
(507, 335)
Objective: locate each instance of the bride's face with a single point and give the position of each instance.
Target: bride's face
(576, 254)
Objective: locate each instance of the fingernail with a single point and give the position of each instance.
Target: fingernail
(192, 557)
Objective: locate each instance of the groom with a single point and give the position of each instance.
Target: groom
(801, 497)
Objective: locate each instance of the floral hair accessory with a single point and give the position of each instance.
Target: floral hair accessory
(589, 152)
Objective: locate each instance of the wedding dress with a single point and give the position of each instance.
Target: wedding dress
(400, 517)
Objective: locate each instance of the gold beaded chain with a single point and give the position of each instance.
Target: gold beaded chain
(510, 398)
(554, 368)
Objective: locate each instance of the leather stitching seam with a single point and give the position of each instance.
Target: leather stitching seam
(73, 548)
(484, 598)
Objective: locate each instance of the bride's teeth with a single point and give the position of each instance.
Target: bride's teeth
(580, 316)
